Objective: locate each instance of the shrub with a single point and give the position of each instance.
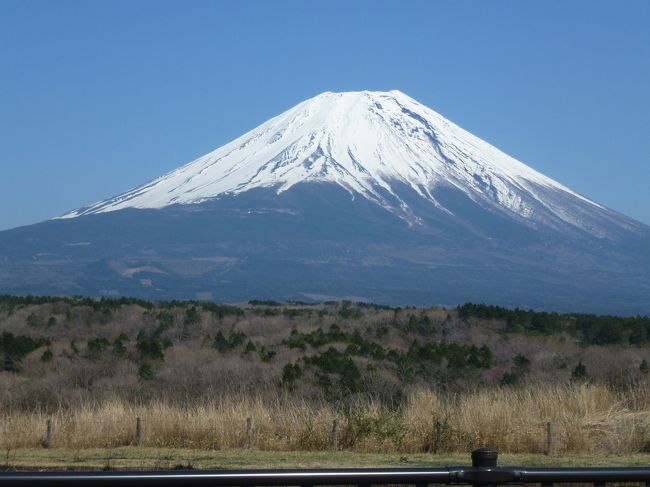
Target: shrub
(96, 347)
(149, 347)
(165, 320)
(508, 379)
(264, 302)
(192, 316)
(290, 373)
(350, 313)
(579, 372)
(266, 355)
(224, 344)
(421, 325)
(119, 347)
(47, 356)
(521, 361)
(222, 310)
(334, 362)
(145, 372)
(15, 347)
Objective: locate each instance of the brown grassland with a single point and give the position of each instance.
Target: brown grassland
(585, 418)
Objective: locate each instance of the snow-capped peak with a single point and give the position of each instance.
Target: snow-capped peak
(369, 143)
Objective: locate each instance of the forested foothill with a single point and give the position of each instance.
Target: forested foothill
(58, 350)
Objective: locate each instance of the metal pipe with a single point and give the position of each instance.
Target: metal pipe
(230, 478)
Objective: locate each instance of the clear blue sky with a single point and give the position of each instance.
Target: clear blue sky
(99, 96)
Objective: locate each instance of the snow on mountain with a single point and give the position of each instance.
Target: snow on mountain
(371, 144)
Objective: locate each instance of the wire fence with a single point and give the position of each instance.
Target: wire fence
(217, 434)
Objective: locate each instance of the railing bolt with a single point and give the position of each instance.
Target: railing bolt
(484, 457)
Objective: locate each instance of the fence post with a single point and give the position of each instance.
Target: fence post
(437, 437)
(549, 438)
(249, 432)
(48, 434)
(138, 431)
(335, 439)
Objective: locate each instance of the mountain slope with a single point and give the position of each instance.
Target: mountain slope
(363, 195)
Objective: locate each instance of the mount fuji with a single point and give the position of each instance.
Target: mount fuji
(358, 195)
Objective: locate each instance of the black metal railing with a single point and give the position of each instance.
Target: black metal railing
(484, 472)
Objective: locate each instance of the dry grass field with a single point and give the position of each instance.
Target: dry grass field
(586, 419)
